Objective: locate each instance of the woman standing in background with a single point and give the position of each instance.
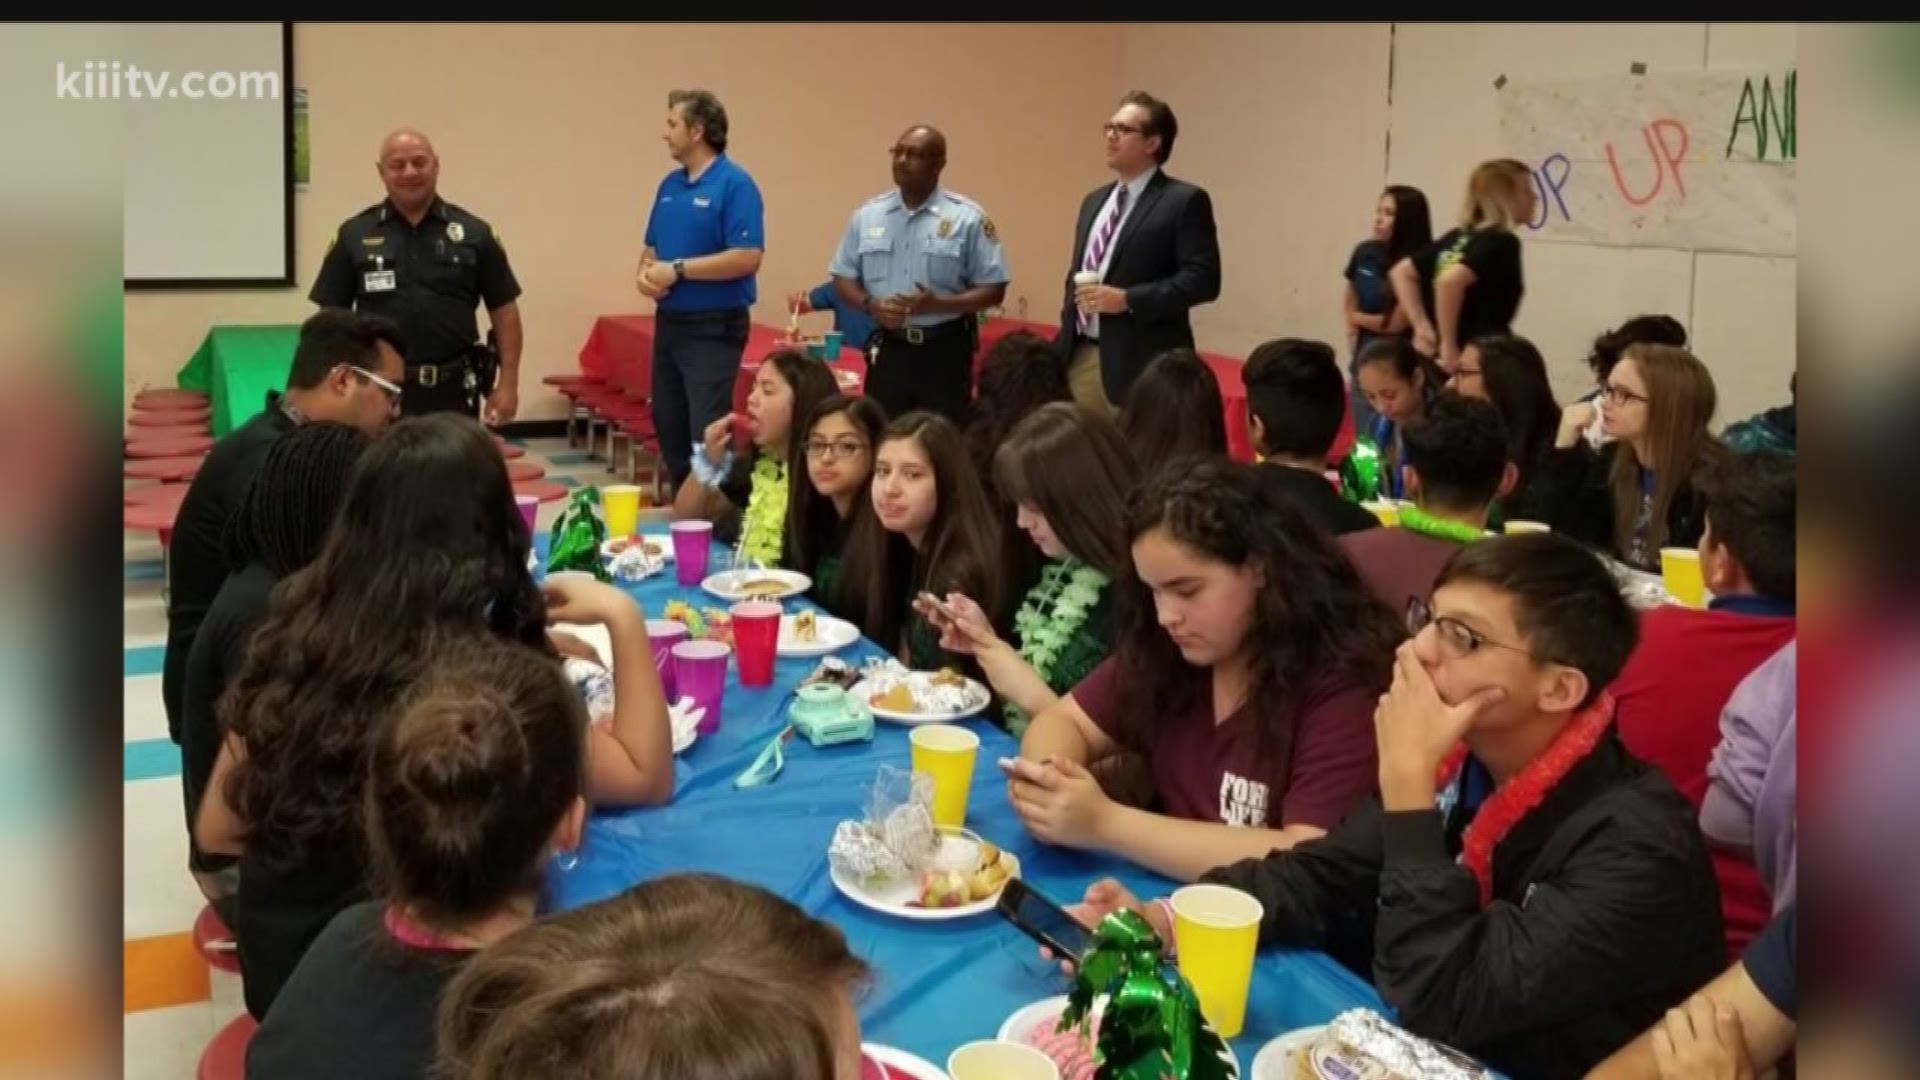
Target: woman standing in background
(1468, 283)
(1401, 226)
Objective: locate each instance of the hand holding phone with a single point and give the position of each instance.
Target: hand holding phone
(1046, 922)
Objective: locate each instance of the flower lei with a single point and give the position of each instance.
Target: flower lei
(1052, 613)
(1414, 519)
(1525, 790)
(766, 515)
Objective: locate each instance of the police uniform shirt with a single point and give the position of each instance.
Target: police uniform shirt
(949, 245)
(427, 278)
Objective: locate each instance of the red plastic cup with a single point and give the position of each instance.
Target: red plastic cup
(756, 636)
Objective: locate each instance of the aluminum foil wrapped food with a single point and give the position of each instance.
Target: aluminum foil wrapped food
(1361, 1043)
(634, 564)
(897, 837)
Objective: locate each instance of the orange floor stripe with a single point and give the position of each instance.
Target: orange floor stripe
(163, 971)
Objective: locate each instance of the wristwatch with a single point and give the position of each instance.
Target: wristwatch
(679, 269)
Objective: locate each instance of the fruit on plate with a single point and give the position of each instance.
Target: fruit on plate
(805, 629)
(682, 612)
(945, 889)
(899, 699)
(987, 881)
(948, 677)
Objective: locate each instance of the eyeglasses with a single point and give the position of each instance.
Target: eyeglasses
(392, 390)
(1122, 129)
(1618, 395)
(844, 448)
(1457, 639)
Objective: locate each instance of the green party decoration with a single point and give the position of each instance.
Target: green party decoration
(577, 535)
(1360, 479)
(1152, 1027)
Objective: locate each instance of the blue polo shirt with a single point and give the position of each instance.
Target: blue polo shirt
(721, 210)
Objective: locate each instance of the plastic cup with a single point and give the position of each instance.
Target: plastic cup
(1680, 572)
(756, 634)
(946, 752)
(1086, 277)
(993, 1060)
(1521, 526)
(665, 634)
(700, 672)
(529, 507)
(830, 348)
(692, 541)
(1386, 510)
(621, 503)
(1215, 930)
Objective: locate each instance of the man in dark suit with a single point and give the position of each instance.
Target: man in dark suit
(1144, 252)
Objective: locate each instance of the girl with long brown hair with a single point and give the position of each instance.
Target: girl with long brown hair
(1068, 473)
(932, 530)
(1640, 492)
(689, 975)
(838, 439)
(1468, 283)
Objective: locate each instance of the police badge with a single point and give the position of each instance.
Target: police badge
(946, 228)
(456, 232)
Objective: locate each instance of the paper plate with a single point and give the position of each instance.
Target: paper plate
(1017, 1027)
(903, 1065)
(833, 634)
(664, 545)
(726, 585)
(894, 901)
(980, 694)
(1275, 1060)
(595, 635)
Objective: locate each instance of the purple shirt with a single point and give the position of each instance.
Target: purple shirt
(1751, 779)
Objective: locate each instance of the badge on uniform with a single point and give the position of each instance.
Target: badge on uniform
(946, 228)
(456, 232)
(986, 227)
(377, 281)
(702, 201)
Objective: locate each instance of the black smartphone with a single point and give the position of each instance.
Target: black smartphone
(1043, 920)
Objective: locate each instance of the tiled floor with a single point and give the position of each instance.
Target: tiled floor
(174, 1003)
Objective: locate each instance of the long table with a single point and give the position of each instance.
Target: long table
(940, 984)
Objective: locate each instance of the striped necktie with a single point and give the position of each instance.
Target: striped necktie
(1097, 250)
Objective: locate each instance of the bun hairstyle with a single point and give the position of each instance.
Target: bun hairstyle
(471, 777)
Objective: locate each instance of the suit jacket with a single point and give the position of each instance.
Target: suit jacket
(1167, 258)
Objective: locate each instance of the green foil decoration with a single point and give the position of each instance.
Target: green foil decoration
(577, 535)
(1152, 1028)
(1360, 472)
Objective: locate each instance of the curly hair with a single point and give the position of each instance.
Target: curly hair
(1315, 624)
(427, 541)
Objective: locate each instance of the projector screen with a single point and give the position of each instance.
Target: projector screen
(209, 151)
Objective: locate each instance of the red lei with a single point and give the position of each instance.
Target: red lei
(1516, 798)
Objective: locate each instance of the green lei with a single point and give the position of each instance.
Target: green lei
(1053, 612)
(766, 515)
(1414, 519)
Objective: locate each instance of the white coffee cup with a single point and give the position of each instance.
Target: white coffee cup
(1086, 277)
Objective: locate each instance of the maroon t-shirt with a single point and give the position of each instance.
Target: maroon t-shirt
(1205, 771)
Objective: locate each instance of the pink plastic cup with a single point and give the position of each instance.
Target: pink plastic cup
(692, 542)
(529, 506)
(665, 634)
(700, 672)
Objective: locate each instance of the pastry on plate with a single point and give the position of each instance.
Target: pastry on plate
(762, 589)
(805, 628)
(900, 699)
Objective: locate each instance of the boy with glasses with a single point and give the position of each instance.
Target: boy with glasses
(1522, 888)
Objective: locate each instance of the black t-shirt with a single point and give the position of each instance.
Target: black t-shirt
(1769, 961)
(360, 1005)
(278, 914)
(197, 558)
(215, 658)
(1494, 297)
(1315, 496)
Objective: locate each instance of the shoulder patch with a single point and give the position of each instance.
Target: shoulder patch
(986, 227)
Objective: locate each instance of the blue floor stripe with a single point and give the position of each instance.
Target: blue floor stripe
(152, 570)
(150, 759)
(567, 482)
(572, 459)
(146, 660)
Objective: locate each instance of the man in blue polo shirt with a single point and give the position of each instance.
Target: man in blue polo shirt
(705, 236)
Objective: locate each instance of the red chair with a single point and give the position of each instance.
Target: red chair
(170, 417)
(180, 431)
(214, 942)
(172, 446)
(156, 517)
(168, 398)
(524, 470)
(225, 1058)
(166, 470)
(154, 494)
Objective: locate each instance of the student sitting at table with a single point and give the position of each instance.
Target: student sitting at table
(1245, 670)
(687, 975)
(1508, 371)
(1398, 383)
(838, 441)
(1584, 414)
(1069, 474)
(932, 530)
(744, 492)
(1174, 409)
(1018, 375)
(1640, 492)
(426, 545)
(277, 529)
(474, 784)
(1523, 888)
(1295, 402)
(1456, 460)
(1690, 661)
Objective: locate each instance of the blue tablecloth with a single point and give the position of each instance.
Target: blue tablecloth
(939, 984)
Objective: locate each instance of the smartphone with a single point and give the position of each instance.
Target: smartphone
(1043, 920)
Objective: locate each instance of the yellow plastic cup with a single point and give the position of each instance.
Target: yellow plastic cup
(1216, 930)
(994, 1060)
(1680, 572)
(1386, 510)
(1521, 526)
(946, 753)
(621, 504)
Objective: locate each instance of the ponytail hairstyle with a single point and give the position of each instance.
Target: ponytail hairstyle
(1398, 353)
(1493, 192)
(478, 767)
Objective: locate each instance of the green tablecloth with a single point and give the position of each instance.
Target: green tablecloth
(236, 366)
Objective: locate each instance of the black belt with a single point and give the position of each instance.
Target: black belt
(712, 315)
(434, 374)
(916, 335)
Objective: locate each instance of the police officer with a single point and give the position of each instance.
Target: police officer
(922, 261)
(426, 263)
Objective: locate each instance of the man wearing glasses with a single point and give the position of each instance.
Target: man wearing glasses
(346, 370)
(922, 261)
(1145, 252)
(1522, 889)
